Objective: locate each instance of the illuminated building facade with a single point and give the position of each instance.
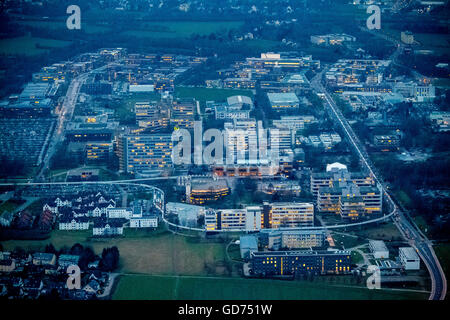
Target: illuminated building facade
(278, 263)
(147, 152)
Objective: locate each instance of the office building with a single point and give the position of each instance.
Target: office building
(292, 263)
(337, 175)
(291, 239)
(182, 113)
(201, 191)
(288, 214)
(144, 154)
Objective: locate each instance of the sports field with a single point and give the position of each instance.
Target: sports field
(143, 287)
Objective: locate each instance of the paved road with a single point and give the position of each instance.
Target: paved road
(401, 219)
(64, 116)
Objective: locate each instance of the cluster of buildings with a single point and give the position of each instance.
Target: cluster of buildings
(358, 76)
(407, 259)
(277, 215)
(94, 131)
(365, 77)
(271, 71)
(290, 254)
(440, 121)
(41, 274)
(83, 211)
(352, 195)
(332, 39)
(236, 107)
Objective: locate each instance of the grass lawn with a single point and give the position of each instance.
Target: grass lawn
(209, 94)
(27, 45)
(442, 83)
(384, 231)
(403, 198)
(422, 224)
(55, 25)
(357, 257)
(8, 206)
(155, 252)
(347, 241)
(143, 287)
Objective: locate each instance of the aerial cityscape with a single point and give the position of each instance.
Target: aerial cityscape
(224, 150)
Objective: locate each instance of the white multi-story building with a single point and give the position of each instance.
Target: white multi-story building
(117, 213)
(293, 122)
(81, 223)
(144, 222)
(409, 258)
(291, 214)
(108, 228)
(379, 249)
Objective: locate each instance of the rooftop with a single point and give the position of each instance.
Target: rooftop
(288, 97)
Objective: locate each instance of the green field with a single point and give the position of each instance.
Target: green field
(145, 29)
(8, 206)
(141, 251)
(143, 287)
(55, 25)
(384, 231)
(182, 29)
(29, 45)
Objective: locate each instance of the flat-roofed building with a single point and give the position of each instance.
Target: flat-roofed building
(409, 258)
(278, 263)
(291, 215)
(247, 245)
(34, 91)
(91, 128)
(98, 151)
(440, 121)
(294, 122)
(27, 109)
(182, 113)
(350, 201)
(283, 101)
(141, 88)
(379, 249)
(386, 142)
(239, 83)
(291, 239)
(147, 153)
(151, 116)
(337, 175)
